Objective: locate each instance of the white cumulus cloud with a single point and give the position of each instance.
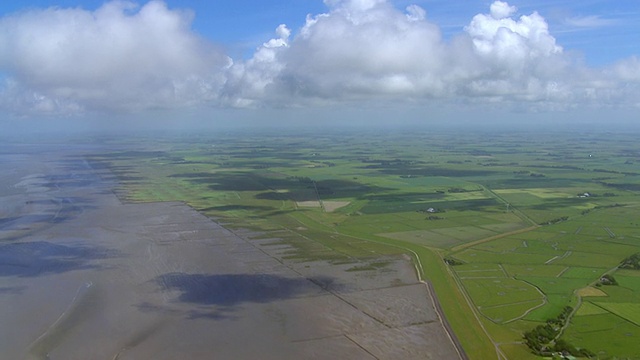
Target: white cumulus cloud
(358, 49)
(117, 58)
(369, 49)
(500, 10)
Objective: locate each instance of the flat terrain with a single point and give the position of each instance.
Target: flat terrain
(85, 276)
(514, 232)
(508, 226)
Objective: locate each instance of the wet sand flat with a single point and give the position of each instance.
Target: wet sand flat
(83, 276)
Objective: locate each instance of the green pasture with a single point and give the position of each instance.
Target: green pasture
(540, 247)
(516, 351)
(500, 291)
(556, 285)
(576, 258)
(628, 281)
(472, 255)
(505, 313)
(539, 234)
(627, 311)
(465, 233)
(607, 335)
(553, 306)
(503, 245)
(582, 244)
(424, 237)
(586, 273)
(517, 270)
(472, 274)
(620, 294)
(504, 227)
(393, 205)
(588, 308)
(508, 332)
(433, 182)
(476, 267)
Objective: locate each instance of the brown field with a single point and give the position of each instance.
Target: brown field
(591, 291)
(331, 206)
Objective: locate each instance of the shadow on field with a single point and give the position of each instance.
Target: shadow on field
(297, 188)
(237, 207)
(555, 204)
(417, 169)
(53, 211)
(406, 196)
(234, 289)
(38, 258)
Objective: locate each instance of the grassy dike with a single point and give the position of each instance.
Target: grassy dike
(431, 266)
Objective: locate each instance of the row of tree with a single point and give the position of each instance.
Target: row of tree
(543, 339)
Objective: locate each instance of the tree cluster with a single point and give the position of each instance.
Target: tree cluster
(608, 279)
(452, 261)
(555, 221)
(632, 262)
(434, 217)
(543, 339)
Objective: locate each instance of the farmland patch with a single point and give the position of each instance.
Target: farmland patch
(627, 311)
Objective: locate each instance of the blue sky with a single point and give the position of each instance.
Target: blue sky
(533, 57)
(604, 31)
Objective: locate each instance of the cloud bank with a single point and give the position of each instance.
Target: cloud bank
(123, 58)
(117, 58)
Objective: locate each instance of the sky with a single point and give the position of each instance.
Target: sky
(313, 61)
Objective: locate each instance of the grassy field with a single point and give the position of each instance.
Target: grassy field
(509, 227)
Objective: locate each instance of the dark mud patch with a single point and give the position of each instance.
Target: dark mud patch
(38, 258)
(234, 289)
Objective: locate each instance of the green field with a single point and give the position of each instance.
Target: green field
(523, 220)
(627, 311)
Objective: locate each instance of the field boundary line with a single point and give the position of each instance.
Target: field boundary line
(493, 237)
(579, 303)
(444, 322)
(440, 312)
(514, 209)
(474, 309)
(545, 301)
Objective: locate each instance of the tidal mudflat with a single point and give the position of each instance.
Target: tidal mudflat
(84, 276)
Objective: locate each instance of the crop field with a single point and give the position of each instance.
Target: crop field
(509, 227)
(494, 291)
(612, 335)
(555, 285)
(534, 270)
(506, 313)
(627, 311)
(583, 273)
(590, 292)
(589, 308)
(552, 307)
